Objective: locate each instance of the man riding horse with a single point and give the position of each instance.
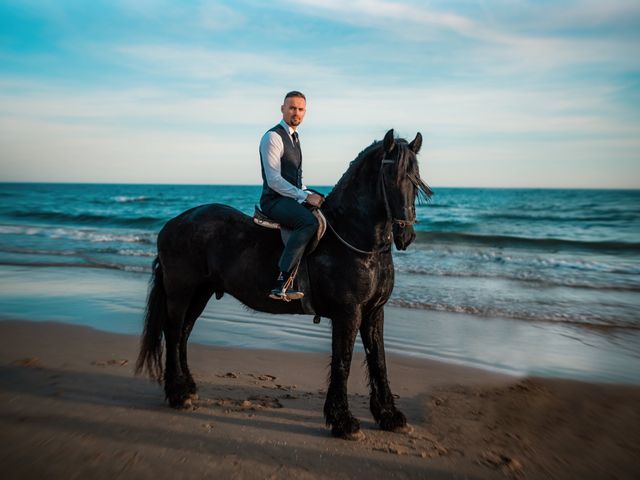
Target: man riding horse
(283, 193)
(215, 249)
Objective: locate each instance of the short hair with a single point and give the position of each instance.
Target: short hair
(295, 93)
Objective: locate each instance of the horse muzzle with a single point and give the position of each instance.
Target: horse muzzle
(403, 236)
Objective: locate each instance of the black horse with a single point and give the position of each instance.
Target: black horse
(213, 249)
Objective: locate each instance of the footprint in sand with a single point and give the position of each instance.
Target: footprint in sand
(31, 362)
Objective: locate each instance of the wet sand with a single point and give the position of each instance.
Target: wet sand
(114, 301)
(72, 409)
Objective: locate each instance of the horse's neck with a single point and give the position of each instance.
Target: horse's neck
(360, 214)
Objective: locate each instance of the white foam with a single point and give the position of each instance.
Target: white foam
(125, 199)
(91, 235)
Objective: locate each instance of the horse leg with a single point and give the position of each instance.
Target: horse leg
(381, 401)
(176, 386)
(336, 408)
(197, 305)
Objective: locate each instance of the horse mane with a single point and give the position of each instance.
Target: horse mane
(345, 184)
(407, 168)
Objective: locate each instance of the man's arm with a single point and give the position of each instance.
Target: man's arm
(271, 149)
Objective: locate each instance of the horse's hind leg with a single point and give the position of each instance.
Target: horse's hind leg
(176, 386)
(197, 305)
(336, 408)
(382, 406)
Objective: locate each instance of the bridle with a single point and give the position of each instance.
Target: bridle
(402, 223)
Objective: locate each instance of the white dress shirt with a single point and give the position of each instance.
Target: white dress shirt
(271, 149)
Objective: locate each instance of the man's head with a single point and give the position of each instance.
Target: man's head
(294, 108)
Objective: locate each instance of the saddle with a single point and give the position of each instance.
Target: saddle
(259, 218)
(301, 274)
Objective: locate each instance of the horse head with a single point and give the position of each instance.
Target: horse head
(401, 186)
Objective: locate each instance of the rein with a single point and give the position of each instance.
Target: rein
(356, 249)
(400, 222)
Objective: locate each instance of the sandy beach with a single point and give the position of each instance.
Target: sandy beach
(73, 409)
(489, 149)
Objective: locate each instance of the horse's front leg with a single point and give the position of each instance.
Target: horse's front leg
(382, 406)
(336, 408)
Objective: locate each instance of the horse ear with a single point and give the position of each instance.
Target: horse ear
(389, 142)
(416, 144)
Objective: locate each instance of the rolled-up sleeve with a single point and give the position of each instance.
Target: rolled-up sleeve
(271, 149)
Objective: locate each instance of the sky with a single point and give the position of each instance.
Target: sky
(506, 93)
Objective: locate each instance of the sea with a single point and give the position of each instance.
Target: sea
(544, 258)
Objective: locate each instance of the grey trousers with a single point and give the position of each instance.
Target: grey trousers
(296, 217)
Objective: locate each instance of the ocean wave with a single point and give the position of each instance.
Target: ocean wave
(447, 225)
(580, 321)
(433, 205)
(125, 199)
(91, 235)
(20, 230)
(437, 259)
(104, 237)
(547, 244)
(38, 251)
(79, 253)
(136, 253)
(88, 219)
(533, 278)
(528, 216)
(96, 264)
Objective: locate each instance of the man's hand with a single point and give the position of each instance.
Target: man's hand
(315, 200)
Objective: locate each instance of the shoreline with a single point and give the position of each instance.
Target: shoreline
(73, 408)
(114, 301)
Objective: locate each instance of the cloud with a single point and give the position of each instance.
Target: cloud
(87, 138)
(460, 110)
(382, 13)
(522, 37)
(493, 87)
(204, 15)
(109, 153)
(198, 63)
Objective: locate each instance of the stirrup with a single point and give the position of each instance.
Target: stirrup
(285, 296)
(286, 292)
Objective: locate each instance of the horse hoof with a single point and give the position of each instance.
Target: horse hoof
(181, 404)
(355, 436)
(349, 431)
(394, 422)
(403, 429)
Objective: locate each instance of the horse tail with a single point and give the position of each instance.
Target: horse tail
(150, 356)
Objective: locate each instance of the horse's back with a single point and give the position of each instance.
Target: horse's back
(207, 229)
(202, 218)
(210, 212)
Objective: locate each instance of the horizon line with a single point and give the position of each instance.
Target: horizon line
(321, 186)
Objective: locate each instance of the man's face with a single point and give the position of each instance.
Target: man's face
(293, 110)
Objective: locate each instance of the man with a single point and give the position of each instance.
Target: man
(284, 194)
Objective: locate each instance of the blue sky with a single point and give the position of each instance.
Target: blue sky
(506, 93)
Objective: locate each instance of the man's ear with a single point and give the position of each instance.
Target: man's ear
(389, 142)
